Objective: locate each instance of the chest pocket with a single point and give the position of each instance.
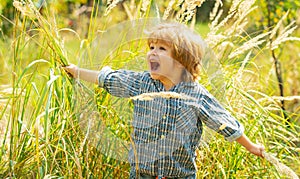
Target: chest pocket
(186, 116)
(188, 125)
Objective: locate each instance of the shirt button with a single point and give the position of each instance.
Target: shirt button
(160, 153)
(164, 117)
(162, 136)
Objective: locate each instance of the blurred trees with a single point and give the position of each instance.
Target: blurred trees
(268, 14)
(6, 14)
(271, 11)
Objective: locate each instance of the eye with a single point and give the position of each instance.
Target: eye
(151, 47)
(162, 48)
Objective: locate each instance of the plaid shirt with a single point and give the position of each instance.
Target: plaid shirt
(167, 131)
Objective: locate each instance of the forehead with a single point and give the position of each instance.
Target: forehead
(159, 42)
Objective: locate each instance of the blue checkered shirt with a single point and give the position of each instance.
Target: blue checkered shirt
(167, 131)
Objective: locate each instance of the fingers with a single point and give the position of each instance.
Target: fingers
(258, 150)
(71, 69)
(261, 150)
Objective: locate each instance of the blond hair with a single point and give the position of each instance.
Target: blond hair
(187, 46)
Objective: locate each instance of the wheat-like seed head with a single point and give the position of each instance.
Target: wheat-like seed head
(109, 2)
(221, 39)
(111, 5)
(168, 9)
(179, 2)
(284, 36)
(213, 13)
(278, 25)
(280, 167)
(286, 98)
(191, 8)
(244, 7)
(188, 9)
(168, 95)
(24, 8)
(214, 24)
(145, 5)
(254, 42)
(179, 15)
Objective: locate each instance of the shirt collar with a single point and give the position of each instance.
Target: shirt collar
(181, 85)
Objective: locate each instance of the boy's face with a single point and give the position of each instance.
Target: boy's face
(161, 64)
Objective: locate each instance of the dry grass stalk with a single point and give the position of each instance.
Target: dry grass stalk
(109, 2)
(234, 13)
(24, 9)
(192, 8)
(280, 167)
(49, 29)
(241, 69)
(283, 36)
(239, 23)
(213, 13)
(168, 9)
(286, 98)
(188, 10)
(234, 5)
(128, 11)
(145, 5)
(168, 95)
(245, 7)
(214, 23)
(214, 38)
(274, 31)
(254, 42)
(111, 5)
(179, 15)
(179, 2)
(5, 91)
(238, 12)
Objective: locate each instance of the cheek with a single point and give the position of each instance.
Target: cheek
(169, 61)
(148, 57)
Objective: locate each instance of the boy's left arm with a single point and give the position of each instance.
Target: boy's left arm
(255, 149)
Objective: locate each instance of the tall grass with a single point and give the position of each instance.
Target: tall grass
(43, 110)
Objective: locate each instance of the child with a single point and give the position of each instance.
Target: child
(167, 131)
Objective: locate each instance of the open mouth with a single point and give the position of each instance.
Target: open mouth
(154, 66)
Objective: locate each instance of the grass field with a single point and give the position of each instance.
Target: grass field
(44, 114)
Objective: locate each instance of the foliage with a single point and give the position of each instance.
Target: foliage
(275, 9)
(42, 108)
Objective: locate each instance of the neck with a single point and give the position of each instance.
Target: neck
(168, 84)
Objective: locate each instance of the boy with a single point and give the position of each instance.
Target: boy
(167, 131)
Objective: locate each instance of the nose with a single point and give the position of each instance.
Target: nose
(152, 51)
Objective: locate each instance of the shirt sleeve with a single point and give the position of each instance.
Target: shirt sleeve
(218, 118)
(120, 83)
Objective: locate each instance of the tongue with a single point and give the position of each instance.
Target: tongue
(154, 65)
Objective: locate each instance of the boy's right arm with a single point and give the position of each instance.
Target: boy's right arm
(83, 74)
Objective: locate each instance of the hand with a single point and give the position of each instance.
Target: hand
(257, 149)
(82, 74)
(71, 70)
